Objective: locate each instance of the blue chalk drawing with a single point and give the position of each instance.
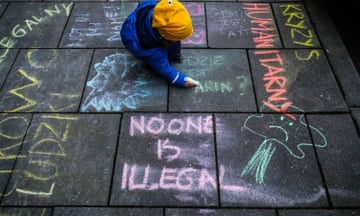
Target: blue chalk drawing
(286, 130)
(118, 84)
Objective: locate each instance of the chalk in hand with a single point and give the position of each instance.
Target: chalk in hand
(191, 81)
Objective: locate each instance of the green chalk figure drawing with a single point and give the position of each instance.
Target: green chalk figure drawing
(278, 132)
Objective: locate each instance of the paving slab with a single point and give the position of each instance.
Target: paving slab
(120, 82)
(219, 212)
(340, 161)
(356, 115)
(43, 80)
(223, 74)
(12, 132)
(26, 211)
(2, 7)
(165, 159)
(63, 163)
(7, 57)
(241, 25)
(339, 58)
(88, 129)
(323, 212)
(96, 25)
(39, 24)
(301, 77)
(93, 211)
(295, 25)
(268, 160)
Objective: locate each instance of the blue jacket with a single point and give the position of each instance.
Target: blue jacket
(157, 58)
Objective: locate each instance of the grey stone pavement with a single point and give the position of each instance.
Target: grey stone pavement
(87, 129)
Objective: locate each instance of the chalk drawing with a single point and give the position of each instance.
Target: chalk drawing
(282, 124)
(112, 90)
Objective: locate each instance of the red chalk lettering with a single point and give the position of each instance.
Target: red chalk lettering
(263, 25)
(276, 94)
(255, 7)
(263, 39)
(272, 81)
(283, 109)
(271, 70)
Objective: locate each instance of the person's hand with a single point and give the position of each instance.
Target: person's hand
(189, 82)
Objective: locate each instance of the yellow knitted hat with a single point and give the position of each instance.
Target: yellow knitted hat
(172, 20)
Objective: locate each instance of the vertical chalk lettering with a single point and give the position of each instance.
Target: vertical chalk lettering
(275, 84)
(263, 28)
(17, 92)
(196, 11)
(49, 140)
(300, 33)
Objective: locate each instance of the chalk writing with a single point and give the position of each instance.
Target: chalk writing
(187, 169)
(157, 125)
(301, 34)
(308, 55)
(17, 91)
(263, 27)
(38, 61)
(11, 139)
(87, 26)
(201, 65)
(21, 30)
(112, 89)
(181, 179)
(275, 84)
(229, 22)
(240, 84)
(196, 11)
(48, 141)
(278, 131)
